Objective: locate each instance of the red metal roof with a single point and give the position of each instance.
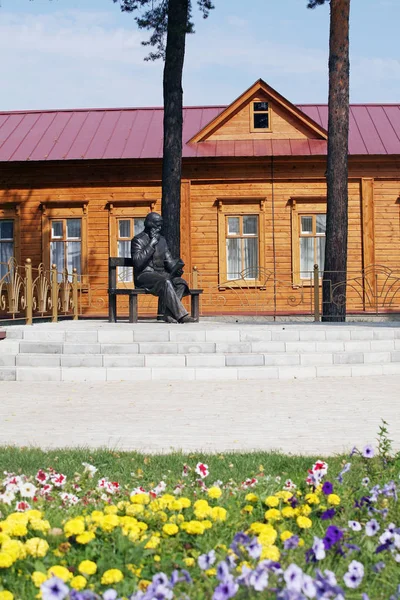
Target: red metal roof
(137, 133)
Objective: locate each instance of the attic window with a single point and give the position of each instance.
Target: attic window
(260, 117)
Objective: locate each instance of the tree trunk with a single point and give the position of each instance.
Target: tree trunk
(173, 97)
(334, 284)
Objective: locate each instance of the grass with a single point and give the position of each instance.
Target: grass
(125, 466)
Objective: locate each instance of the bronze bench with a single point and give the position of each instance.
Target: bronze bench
(114, 291)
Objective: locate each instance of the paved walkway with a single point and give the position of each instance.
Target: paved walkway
(316, 416)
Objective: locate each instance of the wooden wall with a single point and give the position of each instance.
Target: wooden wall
(374, 218)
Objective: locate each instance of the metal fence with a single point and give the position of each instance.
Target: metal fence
(28, 293)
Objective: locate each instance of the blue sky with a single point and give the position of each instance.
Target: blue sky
(86, 53)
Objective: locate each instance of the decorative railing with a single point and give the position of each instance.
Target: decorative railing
(28, 293)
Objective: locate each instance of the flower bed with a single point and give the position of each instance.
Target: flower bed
(326, 535)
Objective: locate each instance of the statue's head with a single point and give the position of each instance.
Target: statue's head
(153, 222)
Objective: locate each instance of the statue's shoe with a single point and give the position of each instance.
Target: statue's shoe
(169, 319)
(187, 319)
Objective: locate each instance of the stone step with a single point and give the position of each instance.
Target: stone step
(264, 347)
(214, 360)
(126, 333)
(34, 373)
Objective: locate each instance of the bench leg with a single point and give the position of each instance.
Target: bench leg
(112, 308)
(195, 306)
(133, 309)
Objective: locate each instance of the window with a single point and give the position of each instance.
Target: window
(308, 237)
(126, 230)
(241, 241)
(260, 116)
(312, 243)
(64, 237)
(242, 247)
(66, 245)
(6, 244)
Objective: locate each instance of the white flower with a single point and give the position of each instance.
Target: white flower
(309, 588)
(160, 488)
(330, 577)
(7, 498)
(90, 469)
(372, 527)
(293, 577)
(357, 568)
(27, 490)
(354, 525)
(319, 548)
(70, 499)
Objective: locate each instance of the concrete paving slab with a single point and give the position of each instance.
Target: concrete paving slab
(315, 416)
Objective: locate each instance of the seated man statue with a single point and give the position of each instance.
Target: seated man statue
(158, 272)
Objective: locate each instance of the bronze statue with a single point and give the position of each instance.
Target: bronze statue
(156, 271)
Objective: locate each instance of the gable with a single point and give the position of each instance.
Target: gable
(282, 119)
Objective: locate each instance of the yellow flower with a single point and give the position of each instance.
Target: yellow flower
(251, 497)
(134, 509)
(189, 561)
(285, 495)
(288, 512)
(74, 527)
(270, 553)
(214, 493)
(78, 582)
(3, 536)
(304, 522)
(110, 510)
(40, 525)
(18, 530)
(37, 547)
(15, 549)
(33, 514)
(305, 510)
(311, 498)
(157, 558)
(110, 522)
(153, 542)
(211, 572)
(193, 527)
(273, 514)
(135, 570)
(38, 578)
(112, 576)
(143, 584)
(170, 529)
(87, 567)
(285, 535)
(6, 595)
(248, 508)
(97, 516)
(272, 501)
(207, 524)
(61, 572)
(85, 537)
(218, 513)
(301, 542)
(140, 499)
(185, 502)
(333, 499)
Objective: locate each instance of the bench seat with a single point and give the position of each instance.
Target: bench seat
(114, 291)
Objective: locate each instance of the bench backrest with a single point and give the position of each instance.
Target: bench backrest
(113, 263)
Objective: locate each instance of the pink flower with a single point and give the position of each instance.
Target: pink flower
(22, 506)
(58, 479)
(202, 470)
(249, 483)
(46, 489)
(41, 476)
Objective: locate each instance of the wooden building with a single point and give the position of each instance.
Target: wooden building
(76, 185)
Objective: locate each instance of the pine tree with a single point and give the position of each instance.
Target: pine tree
(169, 21)
(335, 268)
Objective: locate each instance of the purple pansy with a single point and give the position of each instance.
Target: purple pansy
(327, 488)
(54, 589)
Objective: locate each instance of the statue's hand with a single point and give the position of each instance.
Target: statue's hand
(154, 238)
